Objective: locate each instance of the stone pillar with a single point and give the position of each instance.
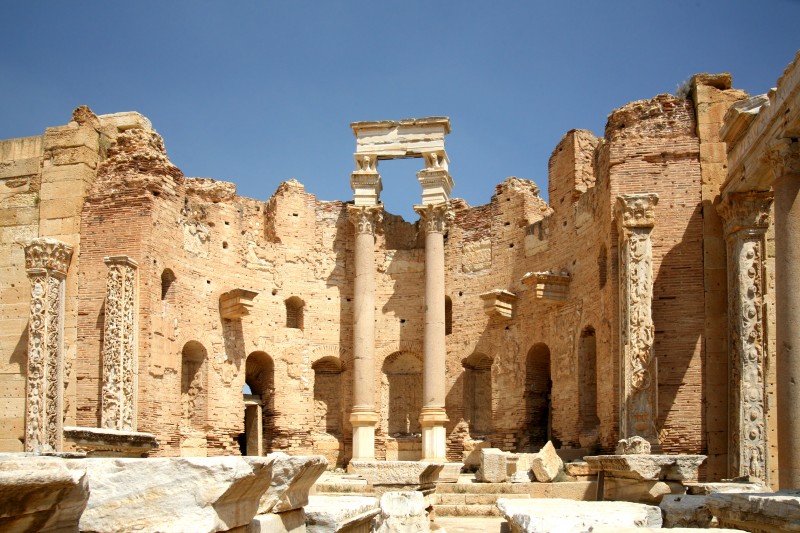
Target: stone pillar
(746, 217)
(120, 361)
(46, 262)
(364, 416)
(635, 214)
(434, 219)
(365, 215)
(785, 159)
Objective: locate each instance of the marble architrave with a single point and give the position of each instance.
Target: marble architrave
(46, 263)
(119, 345)
(635, 215)
(746, 217)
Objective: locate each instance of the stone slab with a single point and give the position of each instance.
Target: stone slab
(100, 442)
(402, 512)
(289, 522)
(778, 511)
(640, 491)
(292, 479)
(723, 487)
(340, 514)
(411, 474)
(450, 473)
(648, 467)
(493, 467)
(546, 465)
(566, 516)
(685, 511)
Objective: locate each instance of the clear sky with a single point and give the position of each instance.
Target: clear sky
(259, 92)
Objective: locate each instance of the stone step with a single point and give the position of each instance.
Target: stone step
(472, 499)
(466, 510)
(572, 490)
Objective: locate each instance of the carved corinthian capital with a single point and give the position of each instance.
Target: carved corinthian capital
(366, 219)
(48, 254)
(636, 210)
(784, 158)
(435, 217)
(748, 211)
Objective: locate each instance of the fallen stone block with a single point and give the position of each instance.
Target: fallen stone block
(546, 465)
(293, 521)
(176, 494)
(397, 475)
(766, 512)
(685, 511)
(633, 446)
(340, 514)
(568, 516)
(450, 472)
(493, 467)
(41, 494)
(578, 469)
(402, 512)
(648, 467)
(292, 479)
(521, 471)
(640, 491)
(723, 487)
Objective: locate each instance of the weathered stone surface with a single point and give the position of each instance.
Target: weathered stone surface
(617, 529)
(100, 442)
(649, 467)
(546, 465)
(402, 512)
(450, 472)
(640, 491)
(723, 487)
(493, 466)
(331, 514)
(192, 495)
(292, 478)
(41, 494)
(685, 511)
(578, 469)
(633, 446)
(397, 473)
(779, 511)
(566, 516)
(289, 522)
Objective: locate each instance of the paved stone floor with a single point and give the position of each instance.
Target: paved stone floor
(472, 524)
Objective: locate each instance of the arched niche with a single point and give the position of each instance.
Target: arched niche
(328, 395)
(478, 394)
(404, 373)
(194, 385)
(537, 395)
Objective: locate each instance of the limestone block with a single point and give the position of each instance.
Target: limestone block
(578, 469)
(178, 494)
(685, 511)
(493, 466)
(640, 491)
(397, 473)
(566, 516)
(547, 464)
(649, 467)
(289, 522)
(471, 456)
(292, 479)
(402, 512)
(450, 472)
(20, 167)
(779, 511)
(722, 487)
(331, 514)
(522, 468)
(46, 494)
(617, 529)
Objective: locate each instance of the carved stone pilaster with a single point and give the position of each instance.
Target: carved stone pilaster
(365, 219)
(435, 218)
(746, 219)
(119, 345)
(635, 215)
(46, 262)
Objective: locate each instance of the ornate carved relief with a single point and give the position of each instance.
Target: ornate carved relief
(635, 214)
(784, 158)
(47, 261)
(366, 219)
(435, 218)
(746, 217)
(119, 345)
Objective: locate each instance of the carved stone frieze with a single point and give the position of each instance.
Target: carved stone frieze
(119, 345)
(47, 261)
(635, 214)
(365, 219)
(435, 218)
(784, 158)
(746, 218)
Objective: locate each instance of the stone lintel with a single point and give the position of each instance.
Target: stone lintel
(648, 467)
(548, 285)
(398, 473)
(390, 139)
(99, 442)
(499, 302)
(236, 303)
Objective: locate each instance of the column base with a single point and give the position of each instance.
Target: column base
(364, 435)
(434, 434)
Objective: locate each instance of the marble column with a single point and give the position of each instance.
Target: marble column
(635, 215)
(433, 417)
(746, 217)
(46, 262)
(784, 156)
(366, 214)
(120, 365)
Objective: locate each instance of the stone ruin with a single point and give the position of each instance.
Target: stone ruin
(653, 299)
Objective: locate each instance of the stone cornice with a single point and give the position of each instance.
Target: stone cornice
(745, 211)
(47, 253)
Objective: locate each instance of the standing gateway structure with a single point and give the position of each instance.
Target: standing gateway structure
(653, 296)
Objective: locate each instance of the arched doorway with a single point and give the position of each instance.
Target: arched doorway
(259, 408)
(537, 395)
(478, 394)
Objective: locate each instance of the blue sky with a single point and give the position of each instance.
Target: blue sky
(259, 92)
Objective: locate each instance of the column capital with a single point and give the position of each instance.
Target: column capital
(47, 253)
(366, 219)
(745, 211)
(365, 180)
(783, 156)
(636, 210)
(435, 218)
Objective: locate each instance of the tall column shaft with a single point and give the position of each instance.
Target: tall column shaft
(746, 217)
(46, 261)
(433, 416)
(364, 417)
(785, 158)
(635, 215)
